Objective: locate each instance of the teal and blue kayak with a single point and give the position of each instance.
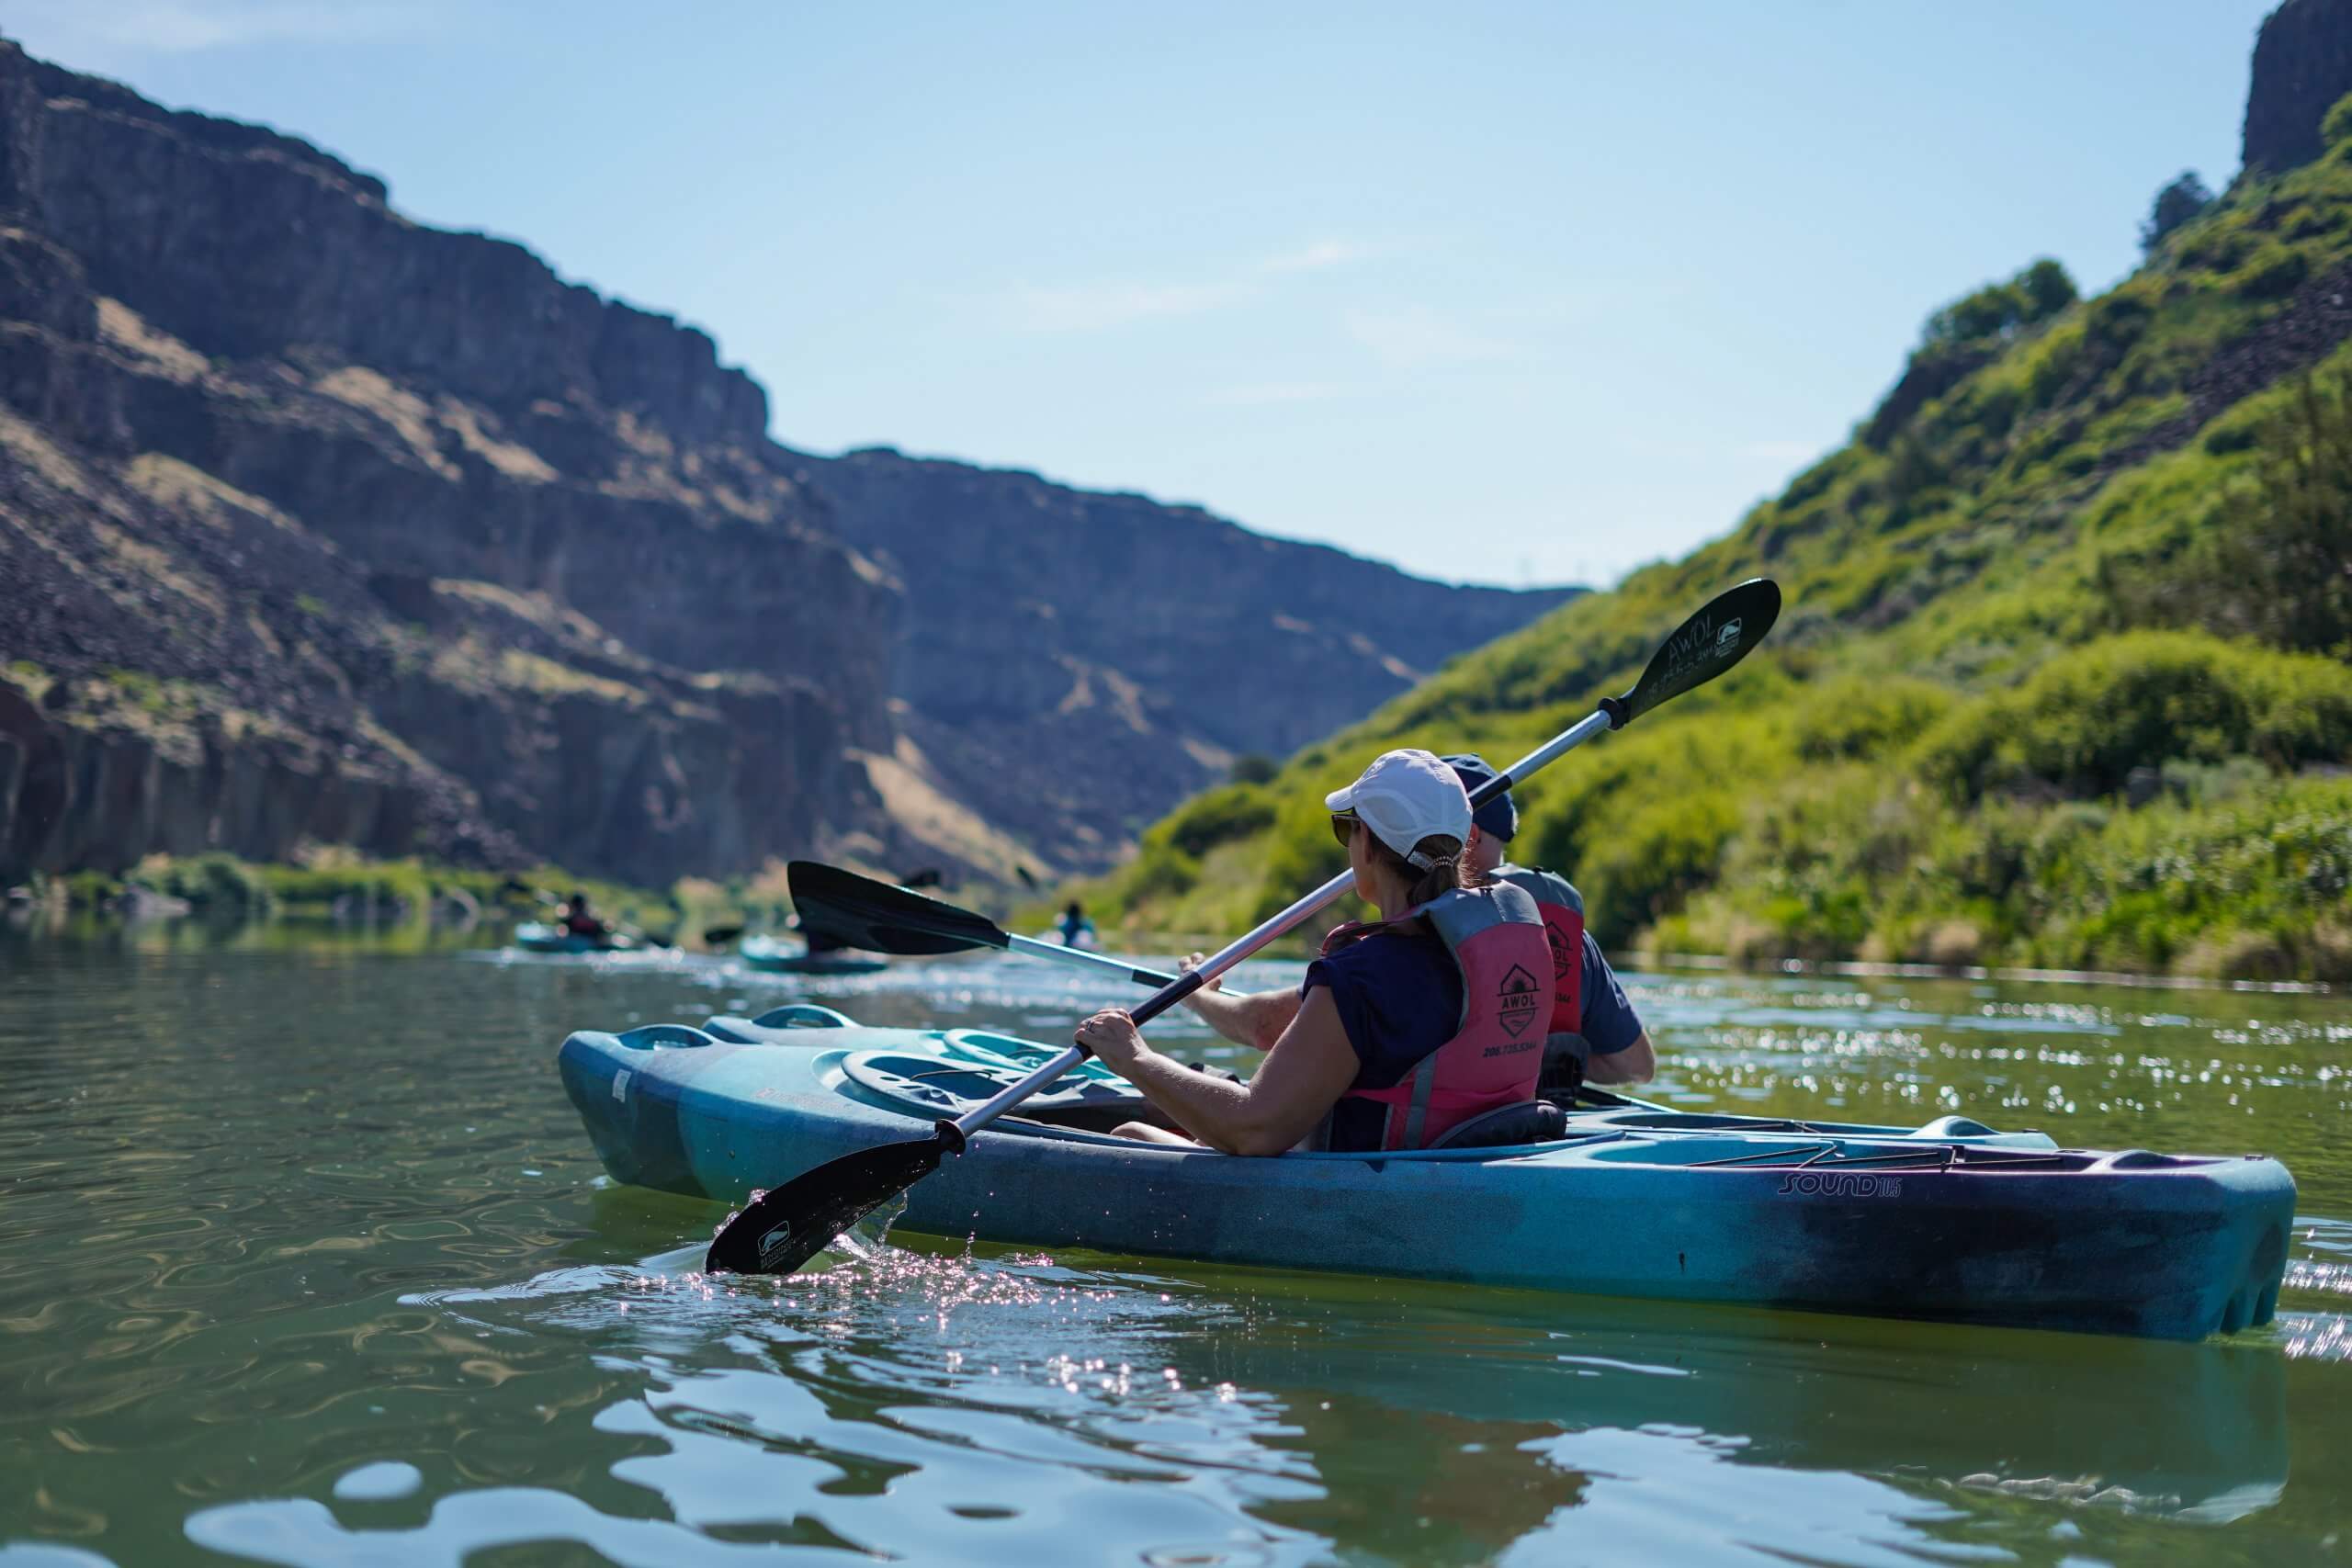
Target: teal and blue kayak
(532, 936)
(790, 958)
(1949, 1220)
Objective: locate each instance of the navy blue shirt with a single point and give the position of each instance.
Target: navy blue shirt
(1400, 998)
(1609, 1023)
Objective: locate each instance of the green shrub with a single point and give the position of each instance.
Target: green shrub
(2047, 288)
(2116, 323)
(2175, 205)
(1863, 716)
(1652, 858)
(2279, 562)
(216, 883)
(2083, 721)
(1207, 820)
(2273, 273)
(1999, 310)
(2336, 127)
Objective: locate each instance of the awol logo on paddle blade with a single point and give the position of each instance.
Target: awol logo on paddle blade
(1516, 1002)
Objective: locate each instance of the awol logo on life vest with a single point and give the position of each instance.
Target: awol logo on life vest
(1565, 957)
(1517, 1001)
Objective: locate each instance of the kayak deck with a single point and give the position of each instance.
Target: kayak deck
(1950, 1221)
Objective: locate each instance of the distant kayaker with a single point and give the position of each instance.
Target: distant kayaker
(1076, 928)
(1406, 1028)
(1595, 1033)
(580, 922)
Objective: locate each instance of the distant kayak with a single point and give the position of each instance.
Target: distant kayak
(533, 936)
(793, 958)
(1950, 1220)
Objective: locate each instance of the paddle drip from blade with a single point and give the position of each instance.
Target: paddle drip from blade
(785, 1228)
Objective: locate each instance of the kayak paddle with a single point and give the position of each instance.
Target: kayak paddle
(785, 1228)
(858, 911)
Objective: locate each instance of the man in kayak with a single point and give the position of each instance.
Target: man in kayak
(1406, 1030)
(580, 922)
(1076, 928)
(1596, 1035)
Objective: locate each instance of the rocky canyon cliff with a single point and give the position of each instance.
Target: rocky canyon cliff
(318, 525)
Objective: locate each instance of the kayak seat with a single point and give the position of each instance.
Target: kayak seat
(804, 1015)
(1531, 1122)
(652, 1036)
(1954, 1127)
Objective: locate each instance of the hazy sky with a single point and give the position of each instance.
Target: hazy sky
(1499, 292)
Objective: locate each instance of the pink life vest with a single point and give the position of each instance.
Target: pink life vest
(1496, 937)
(1562, 908)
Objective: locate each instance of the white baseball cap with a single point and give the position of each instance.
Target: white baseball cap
(1404, 797)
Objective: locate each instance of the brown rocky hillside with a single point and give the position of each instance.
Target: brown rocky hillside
(319, 526)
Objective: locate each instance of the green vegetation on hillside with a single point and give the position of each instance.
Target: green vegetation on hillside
(2061, 679)
(336, 884)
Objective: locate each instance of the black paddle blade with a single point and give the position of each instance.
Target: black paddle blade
(790, 1225)
(1703, 647)
(851, 910)
(714, 936)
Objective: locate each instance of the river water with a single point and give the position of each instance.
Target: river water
(304, 1260)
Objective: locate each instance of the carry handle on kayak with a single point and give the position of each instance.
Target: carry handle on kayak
(781, 1230)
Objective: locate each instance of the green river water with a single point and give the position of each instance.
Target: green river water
(305, 1259)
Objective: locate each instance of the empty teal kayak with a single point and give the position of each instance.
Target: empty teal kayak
(1950, 1220)
(787, 958)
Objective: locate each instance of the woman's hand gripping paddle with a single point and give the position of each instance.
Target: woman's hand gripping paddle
(789, 1225)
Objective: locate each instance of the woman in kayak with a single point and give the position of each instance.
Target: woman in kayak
(1406, 1028)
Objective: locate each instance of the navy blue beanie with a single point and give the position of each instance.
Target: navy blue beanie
(1499, 818)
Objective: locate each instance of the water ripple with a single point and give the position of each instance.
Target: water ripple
(303, 1260)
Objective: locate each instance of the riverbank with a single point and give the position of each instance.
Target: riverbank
(336, 888)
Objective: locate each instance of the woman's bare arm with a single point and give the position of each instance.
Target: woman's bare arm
(1302, 1077)
(1256, 1019)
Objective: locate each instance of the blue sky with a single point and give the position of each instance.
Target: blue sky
(1499, 292)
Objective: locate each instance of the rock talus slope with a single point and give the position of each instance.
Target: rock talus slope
(319, 525)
